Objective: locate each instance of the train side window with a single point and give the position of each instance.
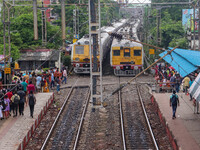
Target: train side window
(137, 52)
(79, 49)
(126, 52)
(116, 52)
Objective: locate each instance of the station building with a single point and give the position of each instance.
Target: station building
(37, 59)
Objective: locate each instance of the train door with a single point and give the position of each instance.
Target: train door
(127, 52)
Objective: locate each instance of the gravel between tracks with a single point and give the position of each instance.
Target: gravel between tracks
(64, 133)
(41, 132)
(158, 130)
(136, 130)
(101, 129)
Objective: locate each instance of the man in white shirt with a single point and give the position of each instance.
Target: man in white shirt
(64, 76)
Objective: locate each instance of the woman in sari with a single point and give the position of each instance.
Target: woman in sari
(45, 87)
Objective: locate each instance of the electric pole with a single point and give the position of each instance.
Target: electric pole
(35, 20)
(6, 36)
(44, 26)
(194, 24)
(95, 52)
(76, 23)
(158, 36)
(63, 30)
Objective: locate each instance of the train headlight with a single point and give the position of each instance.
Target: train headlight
(136, 67)
(77, 65)
(118, 67)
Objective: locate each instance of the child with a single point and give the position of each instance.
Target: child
(6, 111)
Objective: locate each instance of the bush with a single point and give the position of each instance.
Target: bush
(66, 60)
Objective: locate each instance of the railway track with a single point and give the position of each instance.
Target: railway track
(101, 128)
(63, 132)
(135, 127)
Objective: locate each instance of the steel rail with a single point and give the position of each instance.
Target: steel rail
(57, 117)
(147, 120)
(121, 119)
(81, 122)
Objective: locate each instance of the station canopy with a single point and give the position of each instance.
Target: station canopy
(194, 89)
(184, 61)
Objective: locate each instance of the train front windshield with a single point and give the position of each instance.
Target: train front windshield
(79, 49)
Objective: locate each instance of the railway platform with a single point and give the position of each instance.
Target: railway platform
(185, 127)
(15, 132)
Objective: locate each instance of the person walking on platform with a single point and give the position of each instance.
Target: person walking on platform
(174, 101)
(38, 83)
(186, 84)
(52, 80)
(30, 87)
(22, 96)
(11, 105)
(15, 100)
(172, 81)
(64, 76)
(7, 103)
(58, 84)
(32, 102)
(24, 85)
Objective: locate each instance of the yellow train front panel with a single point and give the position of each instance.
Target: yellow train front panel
(127, 60)
(81, 59)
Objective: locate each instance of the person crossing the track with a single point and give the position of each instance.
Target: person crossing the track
(174, 101)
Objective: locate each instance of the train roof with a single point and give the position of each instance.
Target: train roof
(85, 39)
(125, 43)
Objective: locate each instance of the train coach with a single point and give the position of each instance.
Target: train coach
(80, 56)
(126, 56)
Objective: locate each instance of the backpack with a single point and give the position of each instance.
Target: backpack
(31, 99)
(21, 95)
(16, 99)
(174, 99)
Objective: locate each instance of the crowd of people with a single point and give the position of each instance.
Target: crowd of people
(171, 80)
(21, 92)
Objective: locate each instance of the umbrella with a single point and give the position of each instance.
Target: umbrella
(171, 68)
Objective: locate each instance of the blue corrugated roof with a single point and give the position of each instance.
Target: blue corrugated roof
(183, 61)
(190, 55)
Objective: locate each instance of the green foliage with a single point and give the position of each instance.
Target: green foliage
(171, 28)
(66, 61)
(14, 51)
(108, 15)
(182, 42)
(22, 33)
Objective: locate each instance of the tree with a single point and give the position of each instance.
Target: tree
(171, 27)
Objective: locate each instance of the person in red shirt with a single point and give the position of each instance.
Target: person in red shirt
(30, 87)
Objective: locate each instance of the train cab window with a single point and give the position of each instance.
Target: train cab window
(116, 52)
(126, 52)
(137, 52)
(79, 49)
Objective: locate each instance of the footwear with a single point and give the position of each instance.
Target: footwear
(22, 114)
(173, 117)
